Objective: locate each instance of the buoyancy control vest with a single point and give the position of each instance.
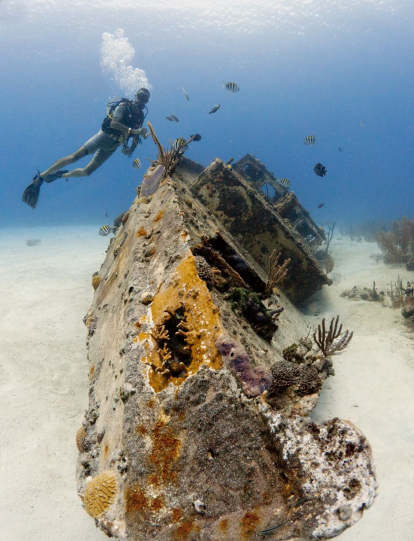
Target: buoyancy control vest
(133, 116)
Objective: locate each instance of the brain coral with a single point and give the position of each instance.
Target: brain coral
(96, 280)
(80, 439)
(100, 493)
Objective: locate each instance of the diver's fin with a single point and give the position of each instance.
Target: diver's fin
(31, 193)
(54, 176)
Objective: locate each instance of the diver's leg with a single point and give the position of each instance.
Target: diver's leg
(100, 157)
(72, 158)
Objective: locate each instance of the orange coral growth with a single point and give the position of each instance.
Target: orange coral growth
(199, 328)
(176, 514)
(183, 530)
(141, 232)
(157, 503)
(159, 216)
(151, 403)
(142, 430)
(165, 452)
(135, 499)
(224, 524)
(249, 523)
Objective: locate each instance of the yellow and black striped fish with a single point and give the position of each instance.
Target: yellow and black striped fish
(233, 87)
(284, 182)
(105, 230)
(310, 140)
(136, 164)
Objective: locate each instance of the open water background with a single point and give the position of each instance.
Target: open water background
(339, 70)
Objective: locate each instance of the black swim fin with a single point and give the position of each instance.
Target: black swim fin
(31, 193)
(54, 176)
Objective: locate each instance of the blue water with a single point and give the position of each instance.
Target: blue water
(339, 70)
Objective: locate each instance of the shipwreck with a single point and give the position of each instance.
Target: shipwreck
(201, 373)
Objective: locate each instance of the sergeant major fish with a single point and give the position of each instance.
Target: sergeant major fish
(310, 140)
(233, 87)
(136, 164)
(174, 118)
(169, 118)
(214, 109)
(284, 182)
(105, 230)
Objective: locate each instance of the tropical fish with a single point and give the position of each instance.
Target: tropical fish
(174, 118)
(105, 230)
(340, 149)
(233, 87)
(230, 161)
(320, 205)
(187, 97)
(320, 170)
(214, 109)
(136, 164)
(310, 140)
(169, 118)
(284, 182)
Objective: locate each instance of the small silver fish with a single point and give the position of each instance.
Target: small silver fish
(136, 164)
(233, 87)
(169, 118)
(214, 109)
(284, 182)
(105, 230)
(310, 140)
(174, 118)
(187, 97)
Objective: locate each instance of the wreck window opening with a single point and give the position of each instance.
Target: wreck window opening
(268, 190)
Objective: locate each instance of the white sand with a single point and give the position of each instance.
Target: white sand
(373, 386)
(46, 290)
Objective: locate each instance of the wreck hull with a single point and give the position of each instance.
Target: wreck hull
(178, 412)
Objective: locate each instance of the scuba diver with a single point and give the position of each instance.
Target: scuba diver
(124, 120)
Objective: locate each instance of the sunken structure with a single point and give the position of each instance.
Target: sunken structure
(202, 374)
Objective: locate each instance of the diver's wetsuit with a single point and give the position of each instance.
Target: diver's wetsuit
(103, 143)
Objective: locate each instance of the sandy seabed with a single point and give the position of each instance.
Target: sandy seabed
(45, 290)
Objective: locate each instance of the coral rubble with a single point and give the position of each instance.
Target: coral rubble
(196, 427)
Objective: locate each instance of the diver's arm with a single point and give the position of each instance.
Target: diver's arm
(116, 123)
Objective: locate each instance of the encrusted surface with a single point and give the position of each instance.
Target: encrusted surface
(178, 412)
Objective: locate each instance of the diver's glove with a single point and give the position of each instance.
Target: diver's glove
(127, 152)
(139, 131)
